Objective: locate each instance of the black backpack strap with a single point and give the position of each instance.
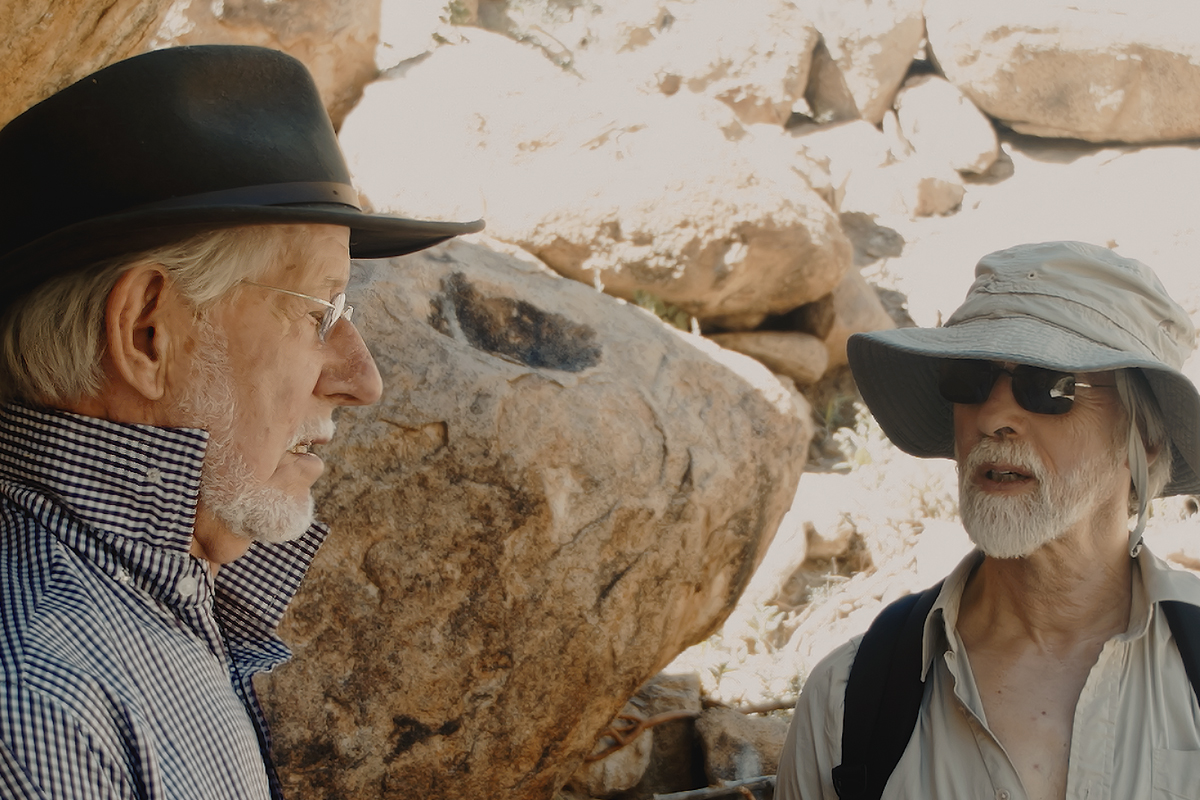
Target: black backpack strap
(1184, 619)
(883, 697)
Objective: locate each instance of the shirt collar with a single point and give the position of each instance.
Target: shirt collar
(943, 616)
(134, 481)
(138, 485)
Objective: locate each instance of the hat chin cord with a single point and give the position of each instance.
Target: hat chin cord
(1138, 468)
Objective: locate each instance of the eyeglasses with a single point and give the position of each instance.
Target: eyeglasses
(334, 311)
(1042, 391)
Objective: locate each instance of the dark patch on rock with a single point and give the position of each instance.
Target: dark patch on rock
(408, 732)
(512, 329)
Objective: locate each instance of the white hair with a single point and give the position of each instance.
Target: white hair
(52, 341)
(1140, 403)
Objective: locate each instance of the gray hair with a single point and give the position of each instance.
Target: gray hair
(51, 343)
(1140, 403)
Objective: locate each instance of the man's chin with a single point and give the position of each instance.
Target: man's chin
(1009, 527)
(266, 515)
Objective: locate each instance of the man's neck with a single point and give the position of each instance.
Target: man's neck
(1053, 593)
(1078, 586)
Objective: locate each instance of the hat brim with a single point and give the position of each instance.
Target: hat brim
(897, 375)
(67, 249)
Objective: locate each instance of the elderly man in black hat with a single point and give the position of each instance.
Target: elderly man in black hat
(1057, 659)
(175, 241)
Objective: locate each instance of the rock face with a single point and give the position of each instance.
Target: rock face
(856, 309)
(52, 43)
(46, 45)
(799, 356)
(629, 192)
(871, 44)
(873, 173)
(737, 746)
(556, 495)
(335, 40)
(1113, 71)
(939, 121)
(756, 61)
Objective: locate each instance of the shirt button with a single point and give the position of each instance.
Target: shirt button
(1002, 794)
(154, 475)
(187, 586)
(122, 575)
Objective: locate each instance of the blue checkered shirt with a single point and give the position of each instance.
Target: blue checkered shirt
(124, 666)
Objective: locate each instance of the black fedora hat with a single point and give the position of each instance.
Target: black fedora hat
(168, 143)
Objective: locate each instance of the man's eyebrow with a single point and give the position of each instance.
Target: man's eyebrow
(334, 284)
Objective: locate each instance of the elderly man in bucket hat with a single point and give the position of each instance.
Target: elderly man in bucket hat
(175, 241)
(1044, 665)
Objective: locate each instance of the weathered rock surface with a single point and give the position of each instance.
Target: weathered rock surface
(871, 44)
(621, 769)
(46, 45)
(869, 172)
(1119, 70)
(556, 495)
(335, 40)
(573, 35)
(756, 60)
(843, 149)
(676, 759)
(411, 28)
(626, 192)
(856, 309)
(799, 356)
(938, 120)
(738, 746)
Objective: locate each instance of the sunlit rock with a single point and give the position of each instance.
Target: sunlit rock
(556, 495)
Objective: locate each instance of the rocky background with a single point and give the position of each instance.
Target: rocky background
(564, 562)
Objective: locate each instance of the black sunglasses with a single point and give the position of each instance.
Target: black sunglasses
(1042, 391)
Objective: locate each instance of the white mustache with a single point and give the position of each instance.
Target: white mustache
(1011, 452)
(312, 431)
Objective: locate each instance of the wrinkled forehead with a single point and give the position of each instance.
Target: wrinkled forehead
(312, 256)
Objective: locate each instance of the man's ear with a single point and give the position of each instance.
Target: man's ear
(140, 322)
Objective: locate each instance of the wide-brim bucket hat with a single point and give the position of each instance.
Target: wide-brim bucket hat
(1066, 306)
(172, 142)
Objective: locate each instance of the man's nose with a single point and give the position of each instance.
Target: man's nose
(351, 377)
(1000, 413)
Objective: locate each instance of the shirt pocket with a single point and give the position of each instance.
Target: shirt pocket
(1176, 775)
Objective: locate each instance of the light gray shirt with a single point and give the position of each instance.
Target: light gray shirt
(1136, 732)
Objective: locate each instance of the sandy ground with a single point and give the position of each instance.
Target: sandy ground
(1139, 201)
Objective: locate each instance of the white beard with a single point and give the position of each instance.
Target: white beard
(228, 488)
(1014, 527)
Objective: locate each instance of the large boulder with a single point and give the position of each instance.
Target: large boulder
(938, 120)
(46, 45)
(335, 40)
(1119, 70)
(670, 196)
(556, 495)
